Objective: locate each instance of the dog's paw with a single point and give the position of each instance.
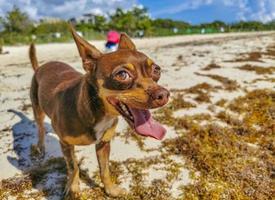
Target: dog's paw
(115, 191)
(37, 151)
(70, 194)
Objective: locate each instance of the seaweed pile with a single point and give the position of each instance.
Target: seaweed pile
(202, 90)
(158, 189)
(256, 56)
(211, 66)
(235, 161)
(249, 57)
(178, 102)
(272, 80)
(227, 83)
(20, 186)
(258, 69)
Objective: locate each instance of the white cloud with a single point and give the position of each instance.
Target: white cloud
(266, 11)
(243, 9)
(64, 8)
(263, 10)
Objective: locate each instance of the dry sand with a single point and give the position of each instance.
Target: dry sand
(180, 57)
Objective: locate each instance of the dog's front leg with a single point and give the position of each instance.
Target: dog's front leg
(103, 153)
(72, 187)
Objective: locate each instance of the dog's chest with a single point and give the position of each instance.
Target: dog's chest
(103, 126)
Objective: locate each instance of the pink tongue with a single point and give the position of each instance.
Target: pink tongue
(145, 124)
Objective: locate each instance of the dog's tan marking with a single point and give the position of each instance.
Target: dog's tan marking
(130, 66)
(102, 127)
(81, 139)
(110, 133)
(103, 93)
(149, 62)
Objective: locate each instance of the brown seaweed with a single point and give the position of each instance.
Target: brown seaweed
(257, 69)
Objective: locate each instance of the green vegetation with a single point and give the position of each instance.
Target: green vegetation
(131, 21)
(18, 28)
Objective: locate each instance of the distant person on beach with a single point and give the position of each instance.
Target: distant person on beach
(112, 41)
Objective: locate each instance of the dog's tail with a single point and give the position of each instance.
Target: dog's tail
(32, 55)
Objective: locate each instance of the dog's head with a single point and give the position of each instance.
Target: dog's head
(127, 81)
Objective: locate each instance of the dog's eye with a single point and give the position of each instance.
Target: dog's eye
(156, 71)
(123, 75)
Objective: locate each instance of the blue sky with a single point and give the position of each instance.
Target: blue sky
(197, 11)
(193, 14)
(192, 11)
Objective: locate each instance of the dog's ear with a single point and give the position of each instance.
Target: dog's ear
(125, 42)
(87, 52)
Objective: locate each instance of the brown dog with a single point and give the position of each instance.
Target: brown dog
(83, 108)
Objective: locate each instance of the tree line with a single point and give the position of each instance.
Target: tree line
(17, 27)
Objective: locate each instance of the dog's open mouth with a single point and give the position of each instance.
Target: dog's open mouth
(140, 119)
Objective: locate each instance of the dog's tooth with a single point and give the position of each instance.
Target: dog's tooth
(124, 107)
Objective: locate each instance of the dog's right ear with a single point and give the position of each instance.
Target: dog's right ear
(87, 52)
(125, 42)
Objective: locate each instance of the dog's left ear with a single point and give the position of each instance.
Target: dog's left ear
(87, 52)
(125, 42)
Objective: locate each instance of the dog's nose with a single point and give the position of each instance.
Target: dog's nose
(160, 97)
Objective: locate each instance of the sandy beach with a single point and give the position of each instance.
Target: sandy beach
(225, 63)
